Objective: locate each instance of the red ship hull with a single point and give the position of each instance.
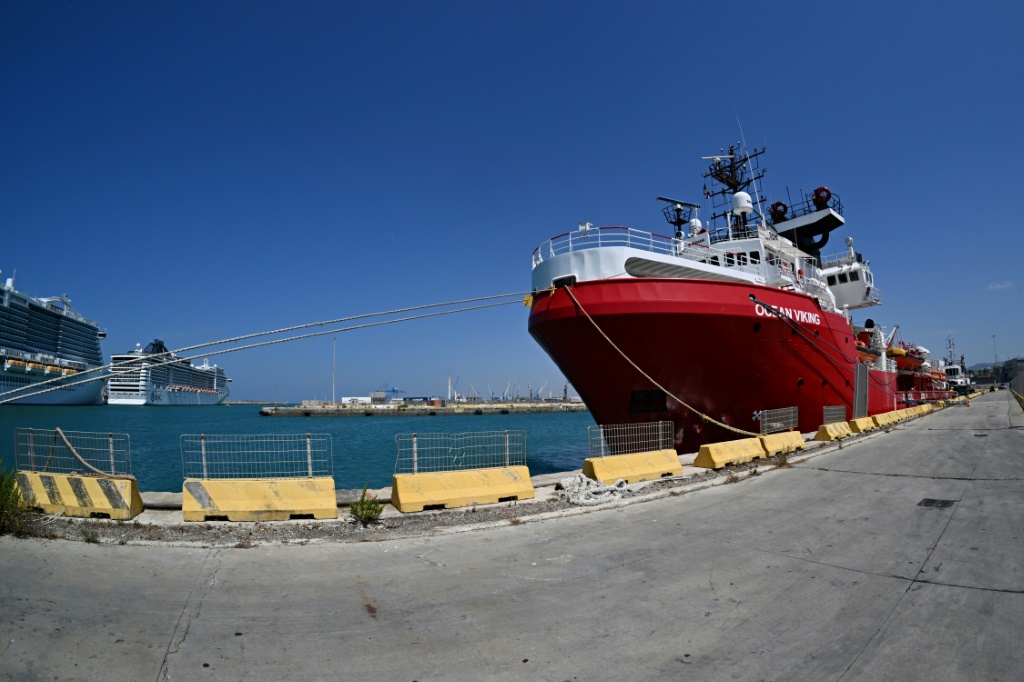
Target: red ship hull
(709, 345)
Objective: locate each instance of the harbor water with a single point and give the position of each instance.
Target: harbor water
(364, 449)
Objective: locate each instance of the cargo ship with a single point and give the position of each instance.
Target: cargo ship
(155, 376)
(714, 326)
(48, 351)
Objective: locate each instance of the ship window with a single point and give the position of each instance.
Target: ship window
(755, 257)
(842, 278)
(854, 277)
(714, 260)
(831, 280)
(741, 259)
(729, 260)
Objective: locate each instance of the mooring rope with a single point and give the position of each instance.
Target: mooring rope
(799, 329)
(89, 466)
(587, 492)
(113, 366)
(704, 417)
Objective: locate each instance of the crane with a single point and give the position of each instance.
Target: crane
(391, 392)
(541, 390)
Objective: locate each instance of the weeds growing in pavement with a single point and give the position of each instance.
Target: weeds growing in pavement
(12, 509)
(367, 509)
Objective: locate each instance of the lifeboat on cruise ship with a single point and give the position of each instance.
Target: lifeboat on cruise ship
(36, 367)
(11, 363)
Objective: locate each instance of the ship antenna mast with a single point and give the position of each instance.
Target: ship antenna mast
(750, 169)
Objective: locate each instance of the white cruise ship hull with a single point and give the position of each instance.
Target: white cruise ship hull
(83, 394)
(157, 395)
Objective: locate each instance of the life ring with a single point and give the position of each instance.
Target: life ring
(783, 267)
(778, 210)
(822, 195)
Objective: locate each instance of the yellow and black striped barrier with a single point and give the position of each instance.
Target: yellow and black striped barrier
(81, 496)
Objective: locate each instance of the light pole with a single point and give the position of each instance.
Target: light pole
(995, 361)
(334, 368)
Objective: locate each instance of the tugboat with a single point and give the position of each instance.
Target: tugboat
(712, 325)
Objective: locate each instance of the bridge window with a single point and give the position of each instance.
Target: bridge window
(730, 260)
(755, 257)
(843, 279)
(831, 280)
(854, 277)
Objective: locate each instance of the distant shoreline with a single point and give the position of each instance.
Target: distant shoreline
(421, 410)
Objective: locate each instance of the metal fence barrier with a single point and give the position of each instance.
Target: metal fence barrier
(782, 419)
(55, 451)
(431, 452)
(833, 414)
(292, 455)
(626, 439)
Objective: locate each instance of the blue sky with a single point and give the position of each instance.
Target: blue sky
(195, 171)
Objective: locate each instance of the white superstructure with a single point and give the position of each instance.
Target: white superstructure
(47, 351)
(155, 376)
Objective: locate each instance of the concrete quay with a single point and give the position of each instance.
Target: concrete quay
(896, 556)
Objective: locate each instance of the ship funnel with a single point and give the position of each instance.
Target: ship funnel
(741, 204)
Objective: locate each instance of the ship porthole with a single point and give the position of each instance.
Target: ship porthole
(799, 382)
(757, 327)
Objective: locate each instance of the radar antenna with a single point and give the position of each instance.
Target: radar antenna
(679, 213)
(735, 171)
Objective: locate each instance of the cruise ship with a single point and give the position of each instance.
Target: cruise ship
(155, 376)
(47, 349)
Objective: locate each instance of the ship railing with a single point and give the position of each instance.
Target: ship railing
(257, 456)
(780, 419)
(600, 237)
(48, 451)
(805, 205)
(434, 452)
(603, 237)
(626, 439)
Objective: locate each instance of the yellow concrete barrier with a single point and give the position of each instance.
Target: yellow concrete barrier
(833, 431)
(717, 455)
(633, 468)
(260, 499)
(862, 424)
(447, 489)
(81, 496)
(882, 419)
(782, 443)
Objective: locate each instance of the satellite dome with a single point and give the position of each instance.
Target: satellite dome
(741, 203)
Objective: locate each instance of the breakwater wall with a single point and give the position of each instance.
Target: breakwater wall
(422, 411)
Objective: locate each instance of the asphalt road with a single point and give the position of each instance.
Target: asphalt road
(831, 570)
